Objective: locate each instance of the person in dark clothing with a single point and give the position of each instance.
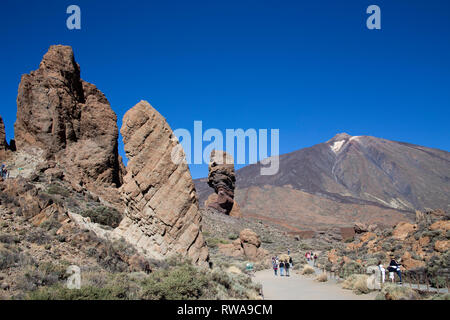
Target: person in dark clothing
(287, 266)
(281, 268)
(315, 259)
(394, 266)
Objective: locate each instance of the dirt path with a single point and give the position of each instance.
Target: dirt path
(298, 287)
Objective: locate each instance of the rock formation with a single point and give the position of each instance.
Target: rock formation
(162, 214)
(3, 143)
(248, 244)
(69, 119)
(222, 179)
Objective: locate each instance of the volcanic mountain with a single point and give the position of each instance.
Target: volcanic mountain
(346, 179)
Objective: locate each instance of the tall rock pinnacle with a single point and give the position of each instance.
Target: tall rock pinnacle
(162, 214)
(222, 179)
(69, 119)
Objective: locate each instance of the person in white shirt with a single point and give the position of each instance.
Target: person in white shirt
(383, 271)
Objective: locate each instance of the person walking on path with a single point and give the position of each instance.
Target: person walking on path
(281, 268)
(383, 271)
(291, 263)
(287, 266)
(394, 266)
(308, 255)
(274, 266)
(315, 259)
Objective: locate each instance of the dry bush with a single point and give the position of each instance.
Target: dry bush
(322, 277)
(307, 269)
(357, 283)
(395, 292)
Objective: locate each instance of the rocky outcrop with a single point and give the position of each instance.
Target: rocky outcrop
(3, 143)
(162, 215)
(222, 179)
(69, 119)
(248, 245)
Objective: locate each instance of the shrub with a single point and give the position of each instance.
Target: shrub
(46, 274)
(214, 242)
(350, 268)
(357, 283)
(104, 215)
(8, 238)
(322, 277)
(307, 269)
(59, 190)
(180, 283)
(394, 292)
(38, 236)
(233, 236)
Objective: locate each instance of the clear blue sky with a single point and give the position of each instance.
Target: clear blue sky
(310, 68)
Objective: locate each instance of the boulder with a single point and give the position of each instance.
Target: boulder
(162, 216)
(360, 227)
(442, 245)
(403, 230)
(69, 119)
(248, 245)
(222, 179)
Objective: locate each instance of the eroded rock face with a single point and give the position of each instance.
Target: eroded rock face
(162, 214)
(69, 119)
(222, 179)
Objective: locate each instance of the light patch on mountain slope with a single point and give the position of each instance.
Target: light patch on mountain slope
(337, 146)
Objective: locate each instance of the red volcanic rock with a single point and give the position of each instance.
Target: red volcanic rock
(162, 215)
(69, 119)
(222, 179)
(3, 143)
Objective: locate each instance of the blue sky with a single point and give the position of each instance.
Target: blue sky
(309, 68)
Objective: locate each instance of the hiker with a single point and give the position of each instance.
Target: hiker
(383, 271)
(308, 256)
(315, 259)
(274, 265)
(287, 266)
(281, 268)
(291, 263)
(394, 266)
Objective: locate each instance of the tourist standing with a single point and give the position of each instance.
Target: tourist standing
(287, 267)
(383, 271)
(315, 259)
(394, 266)
(281, 268)
(274, 265)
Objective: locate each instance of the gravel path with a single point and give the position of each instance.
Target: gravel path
(298, 287)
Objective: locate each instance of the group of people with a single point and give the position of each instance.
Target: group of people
(284, 265)
(311, 256)
(4, 172)
(393, 268)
